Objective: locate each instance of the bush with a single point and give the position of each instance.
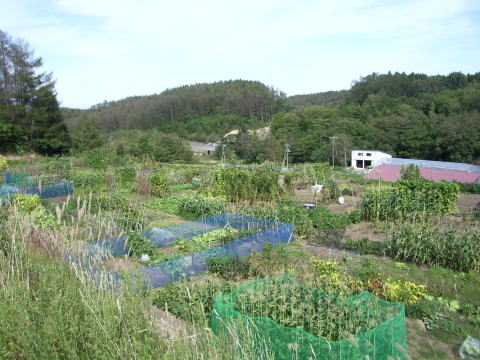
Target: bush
(229, 268)
(126, 175)
(26, 203)
(138, 245)
(3, 164)
(410, 172)
(195, 206)
(331, 226)
(97, 159)
(159, 181)
(87, 180)
(452, 248)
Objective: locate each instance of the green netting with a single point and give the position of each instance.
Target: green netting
(310, 324)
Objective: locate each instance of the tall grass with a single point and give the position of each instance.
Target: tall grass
(50, 309)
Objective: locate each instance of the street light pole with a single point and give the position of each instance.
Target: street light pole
(333, 138)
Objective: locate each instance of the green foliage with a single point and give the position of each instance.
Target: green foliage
(98, 159)
(469, 188)
(206, 240)
(87, 135)
(259, 183)
(87, 180)
(195, 206)
(229, 268)
(26, 203)
(355, 216)
(139, 245)
(296, 305)
(331, 227)
(189, 301)
(126, 175)
(168, 205)
(3, 164)
(452, 248)
(159, 182)
(410, 172)
(365, 246)
(410, 199)
(330, 191)
(46, 221)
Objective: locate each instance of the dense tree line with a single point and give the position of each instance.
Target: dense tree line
(409, 115)
(194, 111)
(328, 98)
(30, 117)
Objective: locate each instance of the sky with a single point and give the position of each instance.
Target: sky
(107, 50)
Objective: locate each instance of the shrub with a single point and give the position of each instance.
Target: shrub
(159, 181)
(126, 175)
(331, 226)
(410, 172)
(138, 245)
(87, 180)
(97, 159)
(3, 164)
(403, 291)
(355, 216)
(195, 206)
(455, 249)
(229, 268)
(26, 203)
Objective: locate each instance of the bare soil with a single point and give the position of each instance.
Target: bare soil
(168, 324)
(365, 229)
(467, 202)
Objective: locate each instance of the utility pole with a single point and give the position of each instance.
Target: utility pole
(285, 157)
(333, 138)
(223, 154)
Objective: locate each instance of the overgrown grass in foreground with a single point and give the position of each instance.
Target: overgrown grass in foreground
(50, 310)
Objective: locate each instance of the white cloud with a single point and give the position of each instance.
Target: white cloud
(111, 49)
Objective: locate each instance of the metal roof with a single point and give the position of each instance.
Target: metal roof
(372, 150)
(429, 164)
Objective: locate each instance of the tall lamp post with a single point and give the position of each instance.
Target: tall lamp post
(333, 138)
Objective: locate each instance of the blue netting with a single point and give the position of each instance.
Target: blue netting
(162, 237)
(43, 187)
(195, 264)
(267, 231)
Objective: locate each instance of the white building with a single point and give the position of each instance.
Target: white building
(366, 159)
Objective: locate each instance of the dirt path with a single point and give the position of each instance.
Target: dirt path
(467, 202)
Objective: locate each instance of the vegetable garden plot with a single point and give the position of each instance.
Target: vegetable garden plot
(265, 231)
(45, 188)
(306, 321)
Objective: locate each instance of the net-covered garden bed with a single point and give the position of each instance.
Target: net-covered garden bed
(44, 187)
(293, 320)
(260, 232)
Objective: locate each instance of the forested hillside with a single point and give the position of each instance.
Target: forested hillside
(413, 116)
(200, 111)
(328, 98)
